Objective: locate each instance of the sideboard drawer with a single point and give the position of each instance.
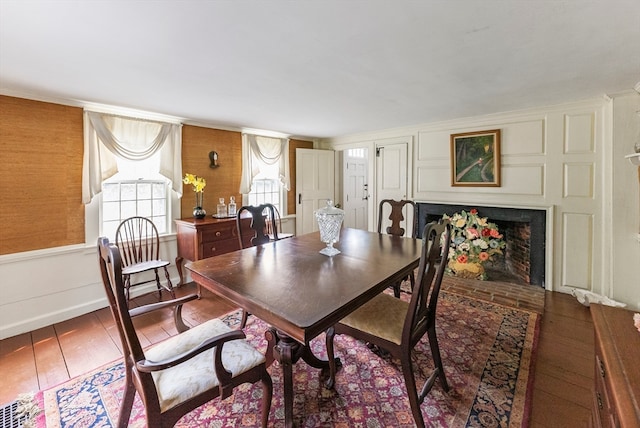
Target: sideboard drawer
(215, 248)
(220, 232)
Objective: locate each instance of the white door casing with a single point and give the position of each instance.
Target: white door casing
(315, 178)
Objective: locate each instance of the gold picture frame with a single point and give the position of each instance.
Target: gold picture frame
(475, 159)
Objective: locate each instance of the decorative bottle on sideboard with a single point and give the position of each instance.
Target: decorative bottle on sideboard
(222, 208)
(232, 206)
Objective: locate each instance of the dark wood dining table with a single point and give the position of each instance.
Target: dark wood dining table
(301, 293)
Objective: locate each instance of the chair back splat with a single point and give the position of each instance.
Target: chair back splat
(396, 326)
(261, 216)
(396, 216)
(185, 371)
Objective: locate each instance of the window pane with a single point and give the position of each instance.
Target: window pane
(111, 211)
(159, 207)
(161, 223)
(159, 191)
(144, 208)
(128, 192)
(109, 228)
(144, 191)
(128, 209)
(111, 192)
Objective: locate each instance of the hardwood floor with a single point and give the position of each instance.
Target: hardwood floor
(564, 364)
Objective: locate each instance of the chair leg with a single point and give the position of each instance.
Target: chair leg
(412, 392)
(127, 286)
(267, 393)
(396, 289)
(243, 322)
(158, 285)
(169, 285)
(127, 401)
(437, 359)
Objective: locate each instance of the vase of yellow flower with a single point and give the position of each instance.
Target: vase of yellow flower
(198, 184)
(474, 241)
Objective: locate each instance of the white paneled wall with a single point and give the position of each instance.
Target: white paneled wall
(557, 158)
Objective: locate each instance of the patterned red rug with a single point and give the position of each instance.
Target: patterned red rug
(487, 351)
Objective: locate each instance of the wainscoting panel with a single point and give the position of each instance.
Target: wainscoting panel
(578, 180)
(524, 138)
(43, 287)
(577, 250)
(579, 133)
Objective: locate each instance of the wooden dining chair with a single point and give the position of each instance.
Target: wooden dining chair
(396, 217)
(139, 244)
(265, 220)
(264, 227)
(258, 228)
(397, 326)
(185, 371)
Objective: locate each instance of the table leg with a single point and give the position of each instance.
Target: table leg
(287, 352)
(179, 261)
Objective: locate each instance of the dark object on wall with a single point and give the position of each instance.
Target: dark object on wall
(213, 157)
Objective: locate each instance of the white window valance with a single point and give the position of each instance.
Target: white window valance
(267, 155)
(108, 136)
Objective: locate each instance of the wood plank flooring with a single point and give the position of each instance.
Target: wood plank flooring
(564, 365)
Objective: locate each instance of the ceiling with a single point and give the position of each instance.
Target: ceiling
(319, 68)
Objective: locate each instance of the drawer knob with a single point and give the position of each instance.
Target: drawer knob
(218, 233)
(213, 249)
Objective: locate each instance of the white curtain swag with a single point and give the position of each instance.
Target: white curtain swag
(267, 155)
(107, 136)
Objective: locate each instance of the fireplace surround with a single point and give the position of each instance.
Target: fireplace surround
(530, 223)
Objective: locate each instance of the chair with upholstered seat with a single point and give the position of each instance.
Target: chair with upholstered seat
(185, 371)
(397, 326)
(139, 244)
(397, 220)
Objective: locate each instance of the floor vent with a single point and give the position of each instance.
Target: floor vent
(8, 418)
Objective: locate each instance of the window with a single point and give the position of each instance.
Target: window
(265, 170)
(136, 190)
(132, 165)
(124, 199)
(265, 191)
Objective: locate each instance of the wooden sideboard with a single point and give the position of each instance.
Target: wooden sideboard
(207, 237)
(617, 368)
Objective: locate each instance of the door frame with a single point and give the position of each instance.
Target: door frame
(372, 173)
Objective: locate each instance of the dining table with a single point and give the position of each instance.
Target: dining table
(300, 293)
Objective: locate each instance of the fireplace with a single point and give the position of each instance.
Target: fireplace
(524, 230)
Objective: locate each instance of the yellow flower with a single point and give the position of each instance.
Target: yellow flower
(198, 183)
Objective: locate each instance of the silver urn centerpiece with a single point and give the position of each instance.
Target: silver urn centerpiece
(329, 221)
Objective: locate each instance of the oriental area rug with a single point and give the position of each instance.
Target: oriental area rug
(487, 351)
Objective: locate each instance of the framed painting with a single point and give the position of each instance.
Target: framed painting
(475, 159)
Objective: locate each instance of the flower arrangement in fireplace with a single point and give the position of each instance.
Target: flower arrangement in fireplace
(474, 241)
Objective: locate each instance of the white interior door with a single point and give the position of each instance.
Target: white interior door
(391, 177)
(355, 188)
(315, 178)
